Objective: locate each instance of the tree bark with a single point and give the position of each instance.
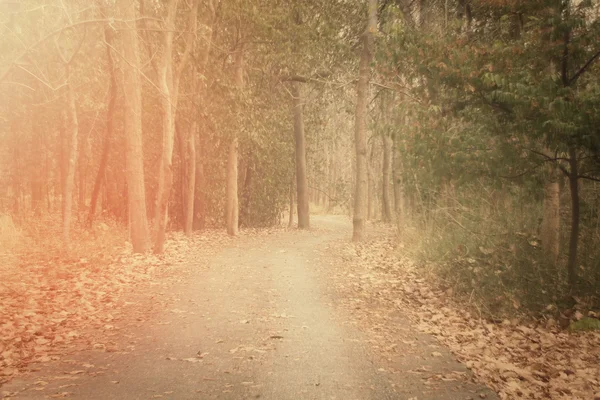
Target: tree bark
(360, 124)
(165, 171)
(191, 180)
(332, 179)
(110, 111)
(199, 190)
(550, 229)
(232, 211)
(291, 216)
(73, 128)
(168, 83)
(36, 177)
(397, 177)
(232, 201)
(247, 192)
(201, 88)
(82, 171)
(386, 203)
(132, 88)
(575, 215)
(370, 186)
(301, 177)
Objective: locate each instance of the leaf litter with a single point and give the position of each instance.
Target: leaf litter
(53, 302)
(518, 358)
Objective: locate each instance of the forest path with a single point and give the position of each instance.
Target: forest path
(261, 320)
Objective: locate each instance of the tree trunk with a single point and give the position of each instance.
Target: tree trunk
(246, 194)
(386, 204)
(575, 213)
(232, 203)
(360, 124)
(35, 158)
(199, 190)
(165, 172)
(73, 128)
(168, 82)
(301, 178)
(370, 185)
(83, 161)
(201, 88)
(291, 216)
(110, 111)
(36, 177)
(232, 211)
(191, 180)
(550, 230)
(331, 179)
(397, 176)
(132, 87)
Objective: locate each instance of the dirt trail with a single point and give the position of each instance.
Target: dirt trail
(259, 321)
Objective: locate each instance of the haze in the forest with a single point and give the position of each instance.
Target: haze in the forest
(470, 126)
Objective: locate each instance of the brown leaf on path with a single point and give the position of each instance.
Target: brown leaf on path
(77, 372)
(192, 359)
(60, 395)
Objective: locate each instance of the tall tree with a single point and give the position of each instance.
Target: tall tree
(300, 150)
(201, 89)
(385, 193)
(110, 120)
(386, 138)
(132, 108)
(72, 126)
(169, 75)
(360, 122)
(232, 202)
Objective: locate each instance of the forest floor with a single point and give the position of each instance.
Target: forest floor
(264, 317)
(272, 314)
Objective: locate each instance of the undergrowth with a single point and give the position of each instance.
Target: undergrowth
(484, 246)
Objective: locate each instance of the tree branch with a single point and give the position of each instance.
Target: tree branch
(328, 196)
(591, 178)
(18, 84)
(43, 82)
(547, 157)
(396, 90)
(56, 32)
(584, 68)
